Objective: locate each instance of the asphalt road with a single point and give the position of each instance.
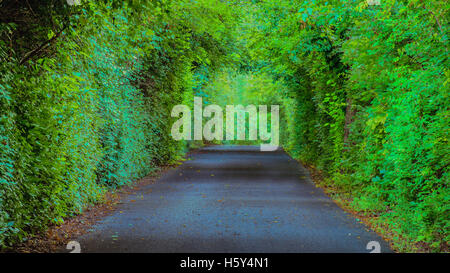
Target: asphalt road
(230, 199)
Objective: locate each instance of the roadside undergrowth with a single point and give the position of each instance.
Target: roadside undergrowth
(373, 220)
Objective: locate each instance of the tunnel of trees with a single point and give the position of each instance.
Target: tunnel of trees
(86, 90)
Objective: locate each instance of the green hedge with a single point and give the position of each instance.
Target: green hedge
(91, 110)
(369, 96)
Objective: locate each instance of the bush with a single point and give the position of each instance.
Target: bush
(89, 109)
(369, 89)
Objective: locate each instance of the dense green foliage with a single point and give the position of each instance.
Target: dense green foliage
(369, 96)
(86, 93)
(243, 88)
(90, 109)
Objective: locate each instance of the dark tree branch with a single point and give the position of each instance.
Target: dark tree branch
(41, 47)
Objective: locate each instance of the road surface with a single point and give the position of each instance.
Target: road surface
(230, 199)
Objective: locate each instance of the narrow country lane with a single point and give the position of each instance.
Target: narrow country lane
(230, 199)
